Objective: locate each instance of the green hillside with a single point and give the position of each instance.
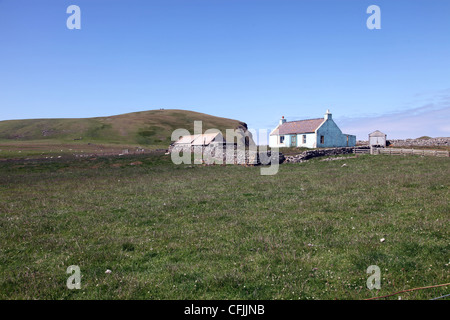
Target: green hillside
(152, 127)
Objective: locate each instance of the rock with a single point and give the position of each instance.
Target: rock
(108, 271)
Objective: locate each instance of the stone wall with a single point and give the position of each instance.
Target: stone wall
(230, 154)
(419, 142)
(432, 142)
(304, 156)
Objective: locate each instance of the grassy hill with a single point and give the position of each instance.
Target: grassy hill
(152, 127)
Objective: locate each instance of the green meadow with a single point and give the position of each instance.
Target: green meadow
(223, 232)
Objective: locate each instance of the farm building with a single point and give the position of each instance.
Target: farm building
(311, 133)
(377, 138)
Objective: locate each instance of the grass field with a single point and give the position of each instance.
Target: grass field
(223, 232)
(38, 149)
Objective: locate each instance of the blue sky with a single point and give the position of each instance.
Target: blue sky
(252, 60)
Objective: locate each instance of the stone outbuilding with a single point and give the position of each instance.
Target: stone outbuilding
(377, 139)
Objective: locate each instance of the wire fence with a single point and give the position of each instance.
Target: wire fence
(436, 292)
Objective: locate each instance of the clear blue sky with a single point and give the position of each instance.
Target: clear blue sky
(252, 60)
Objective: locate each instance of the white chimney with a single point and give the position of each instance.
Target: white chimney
(327, 115)
(282, 120)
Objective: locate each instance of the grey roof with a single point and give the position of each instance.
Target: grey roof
(377, 133)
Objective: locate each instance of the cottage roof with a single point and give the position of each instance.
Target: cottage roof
(300, 126)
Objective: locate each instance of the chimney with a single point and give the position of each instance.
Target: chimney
(327, 115)
(282, 120)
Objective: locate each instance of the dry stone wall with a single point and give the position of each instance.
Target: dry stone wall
(420, 142)
(223, 154)
(304, 156)
(431, 142)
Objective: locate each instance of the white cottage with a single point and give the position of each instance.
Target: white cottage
(311, 133)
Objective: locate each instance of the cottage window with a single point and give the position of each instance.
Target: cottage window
(304, 138)
(322, 139)
(281, 139)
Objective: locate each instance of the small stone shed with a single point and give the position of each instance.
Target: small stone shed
(377, 138)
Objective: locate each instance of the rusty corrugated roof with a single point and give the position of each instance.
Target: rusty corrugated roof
(185, 140)
(205, 139)
(200, 139)
(300, 126)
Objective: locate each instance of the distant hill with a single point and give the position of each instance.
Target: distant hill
(153, 127)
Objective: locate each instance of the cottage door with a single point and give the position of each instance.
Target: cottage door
(293, 141)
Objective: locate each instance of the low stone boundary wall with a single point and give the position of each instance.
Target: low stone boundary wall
(304, 156)
(431, 142)
(419, 142)
(226, 154)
